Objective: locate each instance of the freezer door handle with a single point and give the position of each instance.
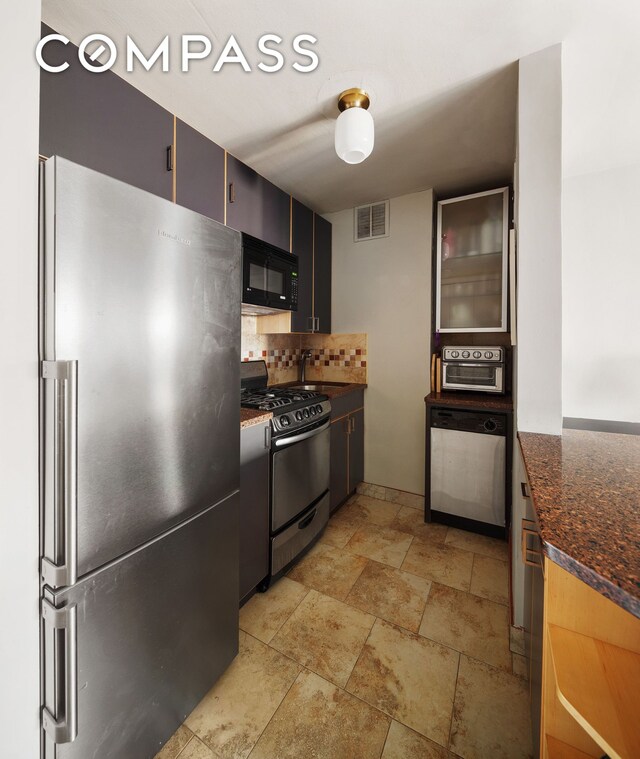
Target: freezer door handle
(63, 729)
(60, 493)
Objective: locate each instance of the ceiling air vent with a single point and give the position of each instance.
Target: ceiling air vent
(371, 221)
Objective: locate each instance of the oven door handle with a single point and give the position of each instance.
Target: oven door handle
(283, 442)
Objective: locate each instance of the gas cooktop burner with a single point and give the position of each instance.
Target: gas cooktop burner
(269, 398)
(295, 411)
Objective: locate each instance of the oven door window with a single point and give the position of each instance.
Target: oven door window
(471, 375)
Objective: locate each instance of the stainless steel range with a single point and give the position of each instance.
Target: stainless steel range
(299, 479)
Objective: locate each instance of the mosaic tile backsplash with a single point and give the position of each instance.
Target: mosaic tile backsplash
(337, 358)
(276, 358)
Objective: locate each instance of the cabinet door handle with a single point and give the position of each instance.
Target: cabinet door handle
(529, 529)
(232, 192)
(310, 323)
(525, 492)
(170, 158)
(317, 320)
(352, 419)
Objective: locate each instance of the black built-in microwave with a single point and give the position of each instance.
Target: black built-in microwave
(269, 275)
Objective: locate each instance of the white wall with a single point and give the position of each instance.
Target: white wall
(538, 222)
(19, 653)
(600, 295)
(383, 287)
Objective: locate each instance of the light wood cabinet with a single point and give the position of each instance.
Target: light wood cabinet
(590, 672)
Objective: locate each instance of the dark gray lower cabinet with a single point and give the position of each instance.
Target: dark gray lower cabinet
(199, 167)
(356, 449)
(102, 122)
(339, 461)
(347, 447)
(254, 506)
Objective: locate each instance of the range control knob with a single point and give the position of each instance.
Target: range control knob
(319, 408)
(313, 410)
(477, 354)
(455, 354)
(299, 415)
(490, 425)
(488, 354)
(285, 421)
(305, 413)
(465, 354)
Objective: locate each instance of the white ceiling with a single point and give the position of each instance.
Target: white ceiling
(442, 77)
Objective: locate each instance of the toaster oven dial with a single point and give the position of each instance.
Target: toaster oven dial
(455, 354)
(488, 354)
(465, 354)
(477, 354)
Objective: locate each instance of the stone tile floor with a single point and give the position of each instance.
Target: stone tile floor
(389, 640)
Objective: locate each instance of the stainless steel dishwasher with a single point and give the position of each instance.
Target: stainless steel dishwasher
(468, 469)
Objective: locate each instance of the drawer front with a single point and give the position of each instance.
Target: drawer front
(286, 546)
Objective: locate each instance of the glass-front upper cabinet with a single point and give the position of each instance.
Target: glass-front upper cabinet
(472, 262)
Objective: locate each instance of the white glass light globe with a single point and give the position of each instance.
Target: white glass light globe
(354, 135)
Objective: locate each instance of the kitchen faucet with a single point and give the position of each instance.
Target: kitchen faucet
(305, 355)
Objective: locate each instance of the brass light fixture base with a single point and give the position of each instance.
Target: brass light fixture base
(353, 98)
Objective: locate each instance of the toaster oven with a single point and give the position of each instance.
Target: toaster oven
(475, 368)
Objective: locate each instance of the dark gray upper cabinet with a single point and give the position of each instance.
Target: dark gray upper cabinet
(199, 167)
(322, 274)
(302, 246)
(102, 122)
(256, 206)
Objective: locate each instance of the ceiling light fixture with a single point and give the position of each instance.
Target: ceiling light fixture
(354, 126)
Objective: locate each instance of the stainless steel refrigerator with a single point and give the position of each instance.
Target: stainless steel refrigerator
(140, 349)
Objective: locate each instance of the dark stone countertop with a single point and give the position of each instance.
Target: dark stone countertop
(489, 401)
(586, 493)
(334, 391)
(250, 416)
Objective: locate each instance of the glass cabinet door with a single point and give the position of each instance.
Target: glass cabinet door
(472, 261)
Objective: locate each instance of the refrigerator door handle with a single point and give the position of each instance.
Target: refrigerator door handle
(64, 729)
(61, 455)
